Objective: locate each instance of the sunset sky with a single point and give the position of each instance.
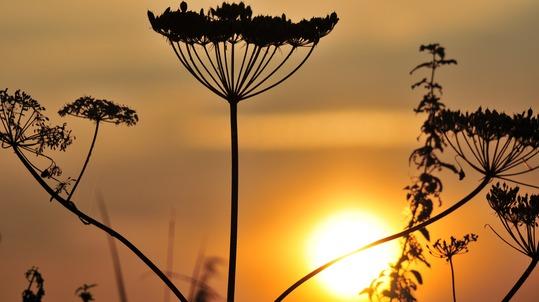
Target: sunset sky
(334, 138)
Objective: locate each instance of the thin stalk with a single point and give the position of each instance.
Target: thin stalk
(85, 162)
(233, 201)
(453, 279)
(196, 273)
(90, 220)
(113, 252)
(448, 211)
(521, 280)
(170, 250)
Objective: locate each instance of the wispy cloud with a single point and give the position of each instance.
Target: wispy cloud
(367, 128)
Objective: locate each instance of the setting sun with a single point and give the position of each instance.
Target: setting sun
(342, 233)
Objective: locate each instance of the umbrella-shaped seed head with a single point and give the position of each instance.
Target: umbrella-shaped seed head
(513, 207)
(100, 110)
(447, 249)
(234, 23)
(23, 124)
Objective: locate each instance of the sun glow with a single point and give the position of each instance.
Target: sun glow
(343, 233)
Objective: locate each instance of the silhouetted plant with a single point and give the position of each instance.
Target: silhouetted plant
(115, 256)
(25, 129)
(447, 250)
(35, 282)
(98, 111)
(84, 293)
(519, 215)
(236, 77)
(494, 144)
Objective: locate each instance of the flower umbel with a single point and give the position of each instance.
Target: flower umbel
(519, 215)
(446, 250)
(100, 110)
(25, 127)
(232, 52)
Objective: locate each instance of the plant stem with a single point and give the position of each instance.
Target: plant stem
(122, 293)
(73, 209)
(85, 162)
(233, 201)
(453, 279)
(406, 232)
(521, 280)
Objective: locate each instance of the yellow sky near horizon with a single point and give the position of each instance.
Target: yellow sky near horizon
(334, 137)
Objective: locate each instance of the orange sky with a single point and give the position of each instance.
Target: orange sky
(335, 136)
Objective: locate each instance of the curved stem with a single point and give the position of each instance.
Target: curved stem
(70, 206)
(85, 162)
(448, 211)
(521, 280)
(233, 201)
(453, 279)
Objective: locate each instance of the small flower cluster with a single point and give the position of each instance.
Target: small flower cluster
(446, 250)
(100, 111)
(25, 126)
(518, 210)
(234, 23)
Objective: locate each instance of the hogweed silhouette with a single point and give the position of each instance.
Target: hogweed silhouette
(209, 46)
(26, 130)
(496, 145)
(519, 216)
(447, 250)
(35, 280)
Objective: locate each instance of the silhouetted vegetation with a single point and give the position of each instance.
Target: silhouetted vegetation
(494, 144)
(237, 55)
(447, 250)
(519, 215)
(192, 36)
(84, 293)
(35, 290)
(26, 130)
(115, 256)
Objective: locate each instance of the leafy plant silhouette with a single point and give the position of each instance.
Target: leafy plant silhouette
(447, 250)
(519, 215)
(207, 45)
(84, 293)
(496, 145)
(35, 280)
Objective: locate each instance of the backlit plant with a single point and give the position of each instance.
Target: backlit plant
(447, 250)
(35, 290)
(519, 215)
(496, 145)
(233, 54)
(84, 293)
(26, 130)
